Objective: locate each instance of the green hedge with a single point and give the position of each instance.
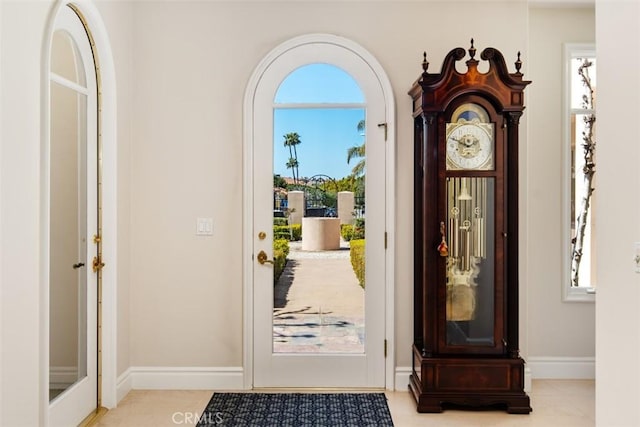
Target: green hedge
(357, 259)
(346, 231)
(280, 253)
(353, 232)
(279, 221)
(283, 232)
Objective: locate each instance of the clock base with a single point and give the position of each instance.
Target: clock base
(440, 382)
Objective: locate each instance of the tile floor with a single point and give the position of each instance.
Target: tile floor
(557, 403)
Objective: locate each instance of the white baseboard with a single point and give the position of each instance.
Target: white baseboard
(123, 385)
(402, 378)
(179, 378)
(208, 378)
(527, 379)
(61, 377)
(562, 368)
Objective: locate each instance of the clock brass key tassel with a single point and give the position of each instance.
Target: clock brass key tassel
(443, 248)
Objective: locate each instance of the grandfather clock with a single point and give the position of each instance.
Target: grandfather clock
(465, 350)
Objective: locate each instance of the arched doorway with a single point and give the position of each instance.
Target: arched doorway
(78, 370)
(264, 366)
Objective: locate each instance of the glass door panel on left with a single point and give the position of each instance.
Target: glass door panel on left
(68, 243)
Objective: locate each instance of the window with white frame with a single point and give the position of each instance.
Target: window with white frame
(580, 171)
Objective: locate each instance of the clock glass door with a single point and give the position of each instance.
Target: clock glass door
(470, 263)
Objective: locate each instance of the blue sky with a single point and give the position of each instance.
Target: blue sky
(326, 133)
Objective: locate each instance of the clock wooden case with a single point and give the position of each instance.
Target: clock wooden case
(465, 350)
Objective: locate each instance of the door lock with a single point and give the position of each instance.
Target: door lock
(262, 258)
(78, 265)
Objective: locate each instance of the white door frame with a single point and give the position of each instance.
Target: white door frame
(108, 128)
(248, 142)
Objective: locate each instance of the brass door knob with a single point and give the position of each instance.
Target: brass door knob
(263, 259)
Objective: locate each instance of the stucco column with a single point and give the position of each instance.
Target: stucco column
(346, 205)
(296, 203)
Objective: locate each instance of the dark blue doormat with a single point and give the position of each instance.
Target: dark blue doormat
(297, 410)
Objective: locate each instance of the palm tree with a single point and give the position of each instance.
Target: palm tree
(358, 151)
(291, 140)
(293, 165)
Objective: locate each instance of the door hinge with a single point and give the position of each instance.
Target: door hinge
(385, 349)
(97, 263)
(383, 125)
(385, 240)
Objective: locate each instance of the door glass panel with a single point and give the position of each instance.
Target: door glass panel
(65, 61)
(319, 83)
(67, 239)
(318, 214)
(471, 261)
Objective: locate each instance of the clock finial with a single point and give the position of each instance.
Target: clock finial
(425, 63)
(472, 50)
(518, 64)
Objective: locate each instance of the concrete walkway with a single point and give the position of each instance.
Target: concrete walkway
(318, 304)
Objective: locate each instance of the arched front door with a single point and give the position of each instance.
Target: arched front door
(301, 347)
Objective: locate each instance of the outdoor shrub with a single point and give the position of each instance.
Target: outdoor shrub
(357, 259)
(283, 232)
(297, 231)
(279, 221)
(358, 229)
(281, 245)
(280, 252)
(346, 231)
(353, 232)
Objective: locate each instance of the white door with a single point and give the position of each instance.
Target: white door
(293, 368)
(73, 223)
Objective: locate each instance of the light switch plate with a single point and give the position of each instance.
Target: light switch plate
(204, 227)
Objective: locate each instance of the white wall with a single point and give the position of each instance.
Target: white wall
(550, 320)
(618, 136)
(20, 181)
(187, 156)
(1, 237)
(118, 20)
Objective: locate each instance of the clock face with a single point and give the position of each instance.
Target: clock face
(469, 145)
